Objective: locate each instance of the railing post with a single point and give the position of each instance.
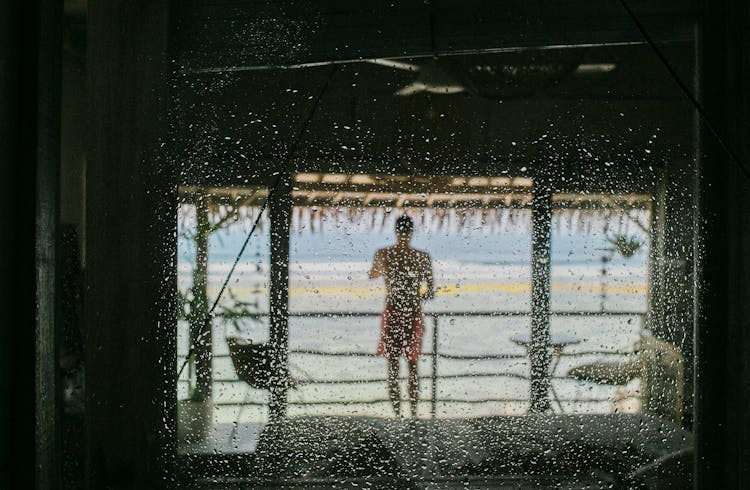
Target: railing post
(433, 406)
(539, 348)
(279, 212)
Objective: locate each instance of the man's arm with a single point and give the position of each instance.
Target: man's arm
(378, 265)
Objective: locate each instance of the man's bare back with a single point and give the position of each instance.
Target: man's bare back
(405, 270)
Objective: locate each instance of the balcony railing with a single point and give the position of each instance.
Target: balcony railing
(436, 356)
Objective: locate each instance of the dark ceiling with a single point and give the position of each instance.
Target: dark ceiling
(231, 34)
(528, 108)
(527, 112)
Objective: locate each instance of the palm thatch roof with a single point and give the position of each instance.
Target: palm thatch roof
(437, 202)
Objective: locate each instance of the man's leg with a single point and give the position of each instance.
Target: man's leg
(413, 387)
(393, 389)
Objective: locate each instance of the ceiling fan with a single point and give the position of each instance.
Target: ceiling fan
(430, 78)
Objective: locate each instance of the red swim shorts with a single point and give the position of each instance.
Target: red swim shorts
(401, 333)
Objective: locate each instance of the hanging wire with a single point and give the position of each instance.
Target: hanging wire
(687, 92)
(285, 167)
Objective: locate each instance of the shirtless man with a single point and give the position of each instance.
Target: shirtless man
(405, 270)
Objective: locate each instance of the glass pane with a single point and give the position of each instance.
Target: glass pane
(480, 264)
(217, 410)
(599, 298)
(543, 187)
(571, 201)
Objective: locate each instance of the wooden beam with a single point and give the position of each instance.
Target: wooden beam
(440, 196)
(412, 187)
(250, 34)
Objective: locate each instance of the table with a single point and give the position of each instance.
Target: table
(557, 342)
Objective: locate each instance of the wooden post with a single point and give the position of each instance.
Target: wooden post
(201, 327)
(539, 349)
(280, 207)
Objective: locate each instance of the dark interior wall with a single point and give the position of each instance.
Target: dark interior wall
(722, 370)
(16, 256)
(215, 34)
(130, 248)
(362, 127)
(599, 132)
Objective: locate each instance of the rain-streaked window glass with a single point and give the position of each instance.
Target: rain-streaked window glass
(426, 244)
(598, 298)
(476, 233)
(465, 266)
(220, 407)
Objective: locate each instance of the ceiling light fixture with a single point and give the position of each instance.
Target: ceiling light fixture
(586, 68)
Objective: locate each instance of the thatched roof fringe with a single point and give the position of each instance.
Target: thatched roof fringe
(588, 219)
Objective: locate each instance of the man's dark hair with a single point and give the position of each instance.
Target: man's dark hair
(404, 224)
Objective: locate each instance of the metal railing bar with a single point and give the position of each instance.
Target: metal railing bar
(382, 400)
(481, 357)
(597, 353)
(230, 403)
(520, 400)
(433, 400)
(315, 314)
(348, 314)
(460, 357)
(383, 380)
(598, 313)
(334, 353)
(304, 382)
(459, 313)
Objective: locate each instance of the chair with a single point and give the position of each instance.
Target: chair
(254, 364)
(660, 367)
